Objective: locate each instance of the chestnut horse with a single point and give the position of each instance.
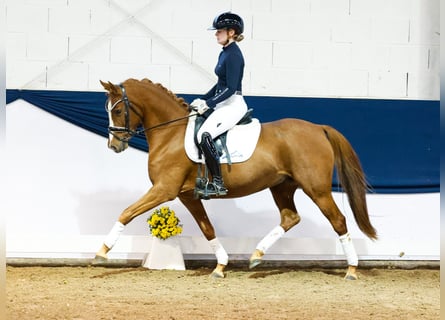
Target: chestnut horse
(290, 154)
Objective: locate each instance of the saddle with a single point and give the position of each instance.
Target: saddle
(240, 140)
(202, 179)
(221, 140)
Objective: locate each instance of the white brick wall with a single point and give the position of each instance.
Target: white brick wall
(69, 20)
(328, 48)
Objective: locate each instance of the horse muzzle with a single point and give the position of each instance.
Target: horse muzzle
(117, 145)
(118, 138)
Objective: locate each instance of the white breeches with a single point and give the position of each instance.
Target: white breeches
(225, 116)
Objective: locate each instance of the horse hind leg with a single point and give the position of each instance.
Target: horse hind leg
(330, 210)
(283, 195)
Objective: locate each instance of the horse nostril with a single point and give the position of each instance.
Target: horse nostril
(114, 148)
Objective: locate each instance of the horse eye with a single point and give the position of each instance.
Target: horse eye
(118, 112)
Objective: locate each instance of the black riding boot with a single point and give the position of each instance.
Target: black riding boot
(216, 187)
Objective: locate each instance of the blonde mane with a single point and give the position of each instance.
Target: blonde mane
(146, 81)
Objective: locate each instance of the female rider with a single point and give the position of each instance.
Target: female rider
(223, 105)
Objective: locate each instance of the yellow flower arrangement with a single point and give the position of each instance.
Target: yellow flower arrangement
(164, 223)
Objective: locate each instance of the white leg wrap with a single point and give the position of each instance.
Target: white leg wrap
(349, 250)
(270, 239)
(221, 255)
(114, 234)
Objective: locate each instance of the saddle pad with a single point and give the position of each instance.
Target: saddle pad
(241, 141)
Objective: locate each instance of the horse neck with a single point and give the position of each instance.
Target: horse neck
(160, 109)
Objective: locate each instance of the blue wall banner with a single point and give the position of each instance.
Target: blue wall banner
(397, 140)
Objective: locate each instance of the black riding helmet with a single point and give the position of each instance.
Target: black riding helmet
(228, 20)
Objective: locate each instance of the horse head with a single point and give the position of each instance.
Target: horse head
(124, 117)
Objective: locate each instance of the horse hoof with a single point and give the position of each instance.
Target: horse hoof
(254, 262)
(351, 277)
(216, 275)
(99, 261)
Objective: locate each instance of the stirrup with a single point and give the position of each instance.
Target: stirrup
(204, 188)
(219, 189)
(207, 189)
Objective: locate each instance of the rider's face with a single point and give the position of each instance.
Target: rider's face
(223, 36)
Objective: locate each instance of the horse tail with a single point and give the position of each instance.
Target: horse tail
(352, 179)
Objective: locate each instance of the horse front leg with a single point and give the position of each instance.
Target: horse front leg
(200, 215)
(154, 197)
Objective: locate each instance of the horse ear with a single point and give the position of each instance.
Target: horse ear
(111, 88)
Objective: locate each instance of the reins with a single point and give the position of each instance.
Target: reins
(164, 123)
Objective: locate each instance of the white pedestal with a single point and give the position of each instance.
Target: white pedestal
(165, 255)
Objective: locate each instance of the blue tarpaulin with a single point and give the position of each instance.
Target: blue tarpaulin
(397, 140)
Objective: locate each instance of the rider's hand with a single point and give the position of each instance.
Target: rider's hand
(199, 106)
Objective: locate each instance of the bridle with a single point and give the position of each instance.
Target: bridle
(128, 106)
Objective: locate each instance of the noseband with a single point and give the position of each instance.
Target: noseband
(128, 106)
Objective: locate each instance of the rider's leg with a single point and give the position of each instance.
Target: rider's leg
(225, 115)
(212, 161)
